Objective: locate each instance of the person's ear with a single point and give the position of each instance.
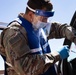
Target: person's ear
(31, 15)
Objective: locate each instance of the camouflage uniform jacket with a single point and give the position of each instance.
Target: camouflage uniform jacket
(17, 51)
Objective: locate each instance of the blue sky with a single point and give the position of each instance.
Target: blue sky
(64, 10)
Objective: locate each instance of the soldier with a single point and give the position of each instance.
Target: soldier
(25, 40)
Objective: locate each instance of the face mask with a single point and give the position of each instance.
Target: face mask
(46, 26)
(39, 25)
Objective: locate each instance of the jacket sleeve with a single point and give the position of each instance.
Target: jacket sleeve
(62, 31)
(2, 51)
(19, 53)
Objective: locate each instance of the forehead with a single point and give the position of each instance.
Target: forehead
(42, 17)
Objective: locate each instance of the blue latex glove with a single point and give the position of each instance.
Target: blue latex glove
(64, 52)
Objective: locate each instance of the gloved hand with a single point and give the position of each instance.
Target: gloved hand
(64, 52)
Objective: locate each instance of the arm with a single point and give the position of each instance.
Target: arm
(2, 51)
(62, 31)
(19, 53)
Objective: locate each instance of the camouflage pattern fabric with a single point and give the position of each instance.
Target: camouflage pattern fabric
(18, 53)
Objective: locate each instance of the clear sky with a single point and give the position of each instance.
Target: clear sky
(64, 10)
